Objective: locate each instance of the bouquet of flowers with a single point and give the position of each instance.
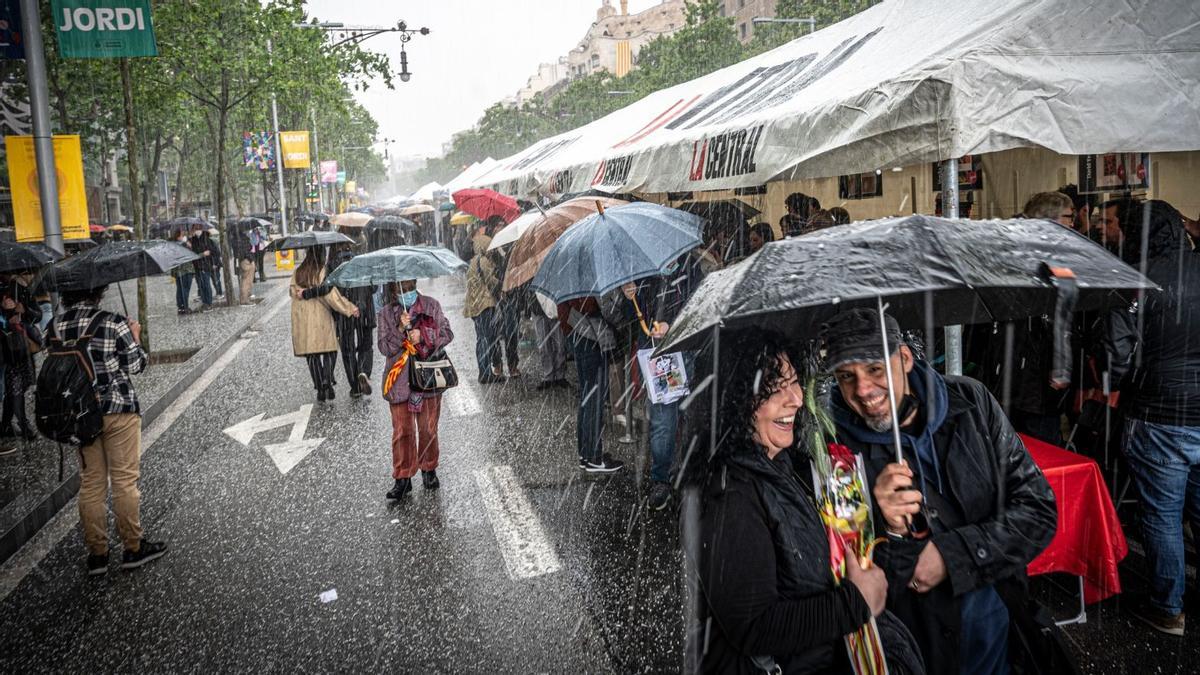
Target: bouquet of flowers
(843, 499)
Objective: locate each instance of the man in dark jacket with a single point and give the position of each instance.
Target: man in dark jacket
(964, 514)
(243, 253)
(660, 300)
(1159, 346)
(355, 333)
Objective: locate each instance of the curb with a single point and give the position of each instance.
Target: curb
(29, 524)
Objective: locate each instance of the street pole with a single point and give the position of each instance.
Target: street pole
(950, 210)
(317, 150)
(43, 141)
(283, 221)
(139, 218)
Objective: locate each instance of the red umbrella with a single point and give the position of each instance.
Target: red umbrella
(484, 204)
(97, 229)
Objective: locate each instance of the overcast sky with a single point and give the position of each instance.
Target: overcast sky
(478, 52)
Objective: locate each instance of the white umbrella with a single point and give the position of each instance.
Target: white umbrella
(513, 231)
(415, 209)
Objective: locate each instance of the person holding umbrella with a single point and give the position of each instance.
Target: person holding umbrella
(183, 276)
(354, 333)
(965, 512)
(411, 324)
(312, 324)
(114, 456)
(483, 280)
(766, 592)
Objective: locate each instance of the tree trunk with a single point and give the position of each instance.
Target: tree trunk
(135, 199)
(183, 155)
(226, 251)
(237, 195)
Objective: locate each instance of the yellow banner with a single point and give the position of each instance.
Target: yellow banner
(23, 177)
(295, 149)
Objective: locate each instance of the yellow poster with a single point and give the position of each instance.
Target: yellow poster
(295, 149)
(72, 196)
(285, 260)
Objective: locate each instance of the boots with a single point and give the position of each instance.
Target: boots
(402, 487)
(430, 480)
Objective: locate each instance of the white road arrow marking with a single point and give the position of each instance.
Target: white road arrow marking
(288, 454)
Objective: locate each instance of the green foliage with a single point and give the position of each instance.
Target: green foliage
(213, 63)
(825, 12)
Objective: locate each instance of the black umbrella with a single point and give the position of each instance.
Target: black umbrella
(15, 256)
(114, 262)
(721, 210)
(930, 271)
(309, 239)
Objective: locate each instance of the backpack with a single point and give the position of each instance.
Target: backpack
(67, 406)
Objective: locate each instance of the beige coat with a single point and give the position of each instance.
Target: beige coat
(481, 279)
(312, 322)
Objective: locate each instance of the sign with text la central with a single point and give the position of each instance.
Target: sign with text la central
(103, 29)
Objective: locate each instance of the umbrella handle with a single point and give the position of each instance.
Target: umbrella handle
(887, 367)
(121, 292)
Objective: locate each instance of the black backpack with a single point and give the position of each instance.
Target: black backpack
(67, 406)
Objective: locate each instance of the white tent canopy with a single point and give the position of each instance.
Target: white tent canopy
(471, 175)
(902, 83)
(425, 193)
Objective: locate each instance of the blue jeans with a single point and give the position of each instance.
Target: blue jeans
(204, 286)
(183, 288)
(485, 342)
(664, 425)
(1165, 462)
(592, 369)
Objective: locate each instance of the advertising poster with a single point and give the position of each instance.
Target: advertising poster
(295, 149)
(103, 29)
(1114, 172)
(258, 150)
(329, 171)
(26, 202)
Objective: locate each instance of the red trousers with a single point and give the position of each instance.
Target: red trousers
(415, 438)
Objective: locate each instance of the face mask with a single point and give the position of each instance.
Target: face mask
(407, 299)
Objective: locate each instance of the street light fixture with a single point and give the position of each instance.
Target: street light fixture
(357, 34)
(812, 22)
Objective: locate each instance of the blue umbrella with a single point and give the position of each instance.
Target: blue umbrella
(617, 245)
(397, 263)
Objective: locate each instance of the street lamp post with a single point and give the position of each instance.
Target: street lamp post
(43, 140)
(357, 34)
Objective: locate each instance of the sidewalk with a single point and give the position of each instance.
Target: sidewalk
(31, 491)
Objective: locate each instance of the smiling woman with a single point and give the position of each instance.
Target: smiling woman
(767, 596)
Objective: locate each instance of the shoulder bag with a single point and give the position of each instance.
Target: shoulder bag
(432, 375)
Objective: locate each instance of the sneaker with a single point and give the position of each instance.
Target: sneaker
(97, 565)
(1160, 620)
(605, 464)
(660, 496)
(402, 487)
(429, 480)
(364, 384)
(147, 551)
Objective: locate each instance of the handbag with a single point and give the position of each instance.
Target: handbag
(432, 375)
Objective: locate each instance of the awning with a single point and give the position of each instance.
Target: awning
(902, 83)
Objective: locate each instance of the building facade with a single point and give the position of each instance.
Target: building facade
(611, 45)
(743, 13)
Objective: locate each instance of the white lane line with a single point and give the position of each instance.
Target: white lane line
(20, 564)
(461, 401)
(523, 543)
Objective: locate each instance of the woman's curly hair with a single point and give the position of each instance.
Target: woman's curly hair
(748, 373)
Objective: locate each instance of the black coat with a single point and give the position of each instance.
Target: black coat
(1007, 514)
(1161, 385)
(764, 574)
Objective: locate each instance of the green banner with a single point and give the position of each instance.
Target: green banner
(103, 29)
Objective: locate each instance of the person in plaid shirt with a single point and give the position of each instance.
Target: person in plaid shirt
(116, 454)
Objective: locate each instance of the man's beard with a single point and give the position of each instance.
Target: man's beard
(879, 424)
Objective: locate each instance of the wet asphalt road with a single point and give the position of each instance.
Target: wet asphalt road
(422, 586)
(517, 564)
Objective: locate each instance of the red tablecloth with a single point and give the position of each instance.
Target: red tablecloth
(1089, 542)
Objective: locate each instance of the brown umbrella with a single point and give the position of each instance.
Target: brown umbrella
(351, 219)
(533, 246)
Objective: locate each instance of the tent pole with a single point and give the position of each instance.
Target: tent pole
(950, 210)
